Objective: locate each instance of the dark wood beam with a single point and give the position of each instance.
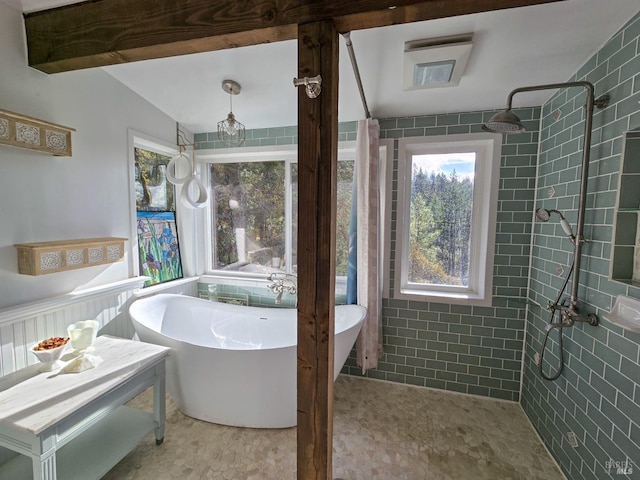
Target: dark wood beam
(317, 184)
(105, 32)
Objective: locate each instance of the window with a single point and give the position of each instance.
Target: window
(248, 211)
(447, 200)
(343, 210)
(154, 232)
(254, 209)
(153, 191)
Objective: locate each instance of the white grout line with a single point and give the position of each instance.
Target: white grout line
(542, 443)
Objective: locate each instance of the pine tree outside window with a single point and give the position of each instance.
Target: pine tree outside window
(447, 201)
(252, 218)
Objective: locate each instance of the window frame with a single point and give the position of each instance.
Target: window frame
(288, 153)
(137, 139)
(488, 148)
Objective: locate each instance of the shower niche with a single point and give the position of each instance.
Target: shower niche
(625, 263)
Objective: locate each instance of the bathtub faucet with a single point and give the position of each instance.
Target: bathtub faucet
(282, 282)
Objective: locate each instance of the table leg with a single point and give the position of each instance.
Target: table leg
(159, 407)
(44, 468)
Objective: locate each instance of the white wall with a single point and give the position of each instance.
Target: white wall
(45, 198)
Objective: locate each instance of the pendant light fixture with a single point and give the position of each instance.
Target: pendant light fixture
(230, 130)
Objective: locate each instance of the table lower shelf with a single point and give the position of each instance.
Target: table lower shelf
(92, 453)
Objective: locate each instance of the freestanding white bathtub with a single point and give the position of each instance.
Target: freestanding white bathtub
(230, 364)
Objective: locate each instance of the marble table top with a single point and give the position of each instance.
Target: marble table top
(34, 401)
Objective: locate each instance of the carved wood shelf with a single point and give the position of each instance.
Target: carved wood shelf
(27, 132)
(49, 257)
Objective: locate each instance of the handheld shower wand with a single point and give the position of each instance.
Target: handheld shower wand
(567, 315)
(544, 215)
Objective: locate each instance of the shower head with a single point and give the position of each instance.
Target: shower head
(504, 122)
(544, 215)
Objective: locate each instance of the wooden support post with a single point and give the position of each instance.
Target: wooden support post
(317, 180)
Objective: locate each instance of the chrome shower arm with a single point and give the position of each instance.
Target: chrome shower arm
(553, 86)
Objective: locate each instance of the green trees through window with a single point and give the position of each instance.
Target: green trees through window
(153, 191)
(248, 213)
(440, 218)
(251, 210)
(446, 218)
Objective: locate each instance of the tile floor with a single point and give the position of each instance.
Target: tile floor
(382, 431)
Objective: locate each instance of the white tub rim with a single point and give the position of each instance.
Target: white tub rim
(161, 296)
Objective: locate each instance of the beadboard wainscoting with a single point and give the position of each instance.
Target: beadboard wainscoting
(23, 325)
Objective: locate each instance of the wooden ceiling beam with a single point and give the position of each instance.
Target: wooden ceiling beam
(106, 32)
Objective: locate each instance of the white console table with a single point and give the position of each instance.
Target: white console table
(75, 425)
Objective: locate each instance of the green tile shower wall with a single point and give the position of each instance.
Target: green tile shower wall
(598, 395)
(462, 348)
(474, 350)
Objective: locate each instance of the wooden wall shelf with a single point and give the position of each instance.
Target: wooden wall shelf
(27, 132)
(49, 257)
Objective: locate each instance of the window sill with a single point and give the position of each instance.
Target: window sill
(236, 279)
(259, 281)
(453, 298)
(160, 287)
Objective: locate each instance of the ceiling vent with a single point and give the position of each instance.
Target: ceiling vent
(436, 62)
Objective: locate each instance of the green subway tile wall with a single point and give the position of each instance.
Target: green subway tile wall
(476, 350)
(598, 395)
(462, 348)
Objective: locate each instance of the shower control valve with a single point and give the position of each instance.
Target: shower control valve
(569, 315)
(551, 306)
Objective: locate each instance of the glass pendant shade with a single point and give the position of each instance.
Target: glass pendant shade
(230, 130)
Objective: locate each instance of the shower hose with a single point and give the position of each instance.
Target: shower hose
(552, 326)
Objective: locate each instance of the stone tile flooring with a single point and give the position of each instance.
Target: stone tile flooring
(382, 431)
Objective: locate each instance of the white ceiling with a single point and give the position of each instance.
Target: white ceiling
(511, 48)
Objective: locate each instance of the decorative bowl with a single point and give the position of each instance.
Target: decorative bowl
(50, 357)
